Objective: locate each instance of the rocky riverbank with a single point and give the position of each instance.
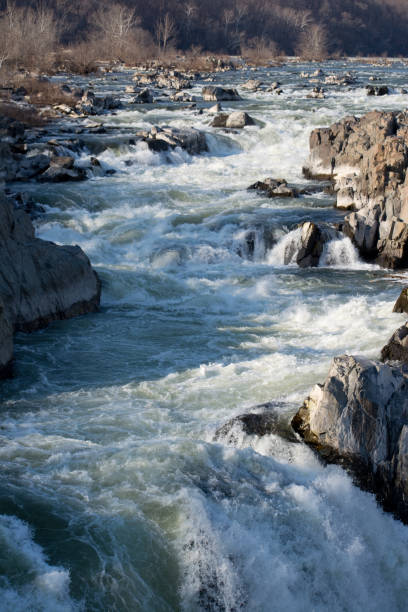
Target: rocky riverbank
(39, 280)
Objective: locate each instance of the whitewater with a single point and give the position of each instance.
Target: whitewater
(115, 491)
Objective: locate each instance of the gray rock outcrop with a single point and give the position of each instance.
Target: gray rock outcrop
(367, 158)
(39, 281)
(359, 418)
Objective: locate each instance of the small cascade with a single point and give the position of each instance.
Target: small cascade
(340, 252)
(285, 251)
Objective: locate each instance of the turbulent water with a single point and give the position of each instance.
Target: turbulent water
(115, 494)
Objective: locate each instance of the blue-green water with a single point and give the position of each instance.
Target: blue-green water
(113, 493)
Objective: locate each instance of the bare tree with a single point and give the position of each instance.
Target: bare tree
(313, 43)
(116, 24)
(165, 32)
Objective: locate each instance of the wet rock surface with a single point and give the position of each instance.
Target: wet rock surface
(359, 418)
(267, 420)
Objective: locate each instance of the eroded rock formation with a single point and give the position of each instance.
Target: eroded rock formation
(367, 158)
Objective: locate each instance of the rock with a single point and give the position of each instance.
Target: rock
(90, 104)
(401, 305)
(359, 418)
(215, 109)
(275, 188)
(269, 421)
(220, 120)
(382, 90)
(252, 85)
(312, 241)
(182, 96)
(189, 139)
(239, 119)
(396, 348)
(6, 342)
(219, 94)
(317, 93)
(143, 97)
(31, 166)
(57, 173)
(39, 281)
(367, 159)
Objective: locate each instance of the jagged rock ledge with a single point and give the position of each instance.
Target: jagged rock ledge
(367, 158)
(359, 419)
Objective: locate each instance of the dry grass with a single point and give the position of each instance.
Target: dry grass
(28, 116)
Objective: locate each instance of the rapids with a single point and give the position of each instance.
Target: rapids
(114, 493)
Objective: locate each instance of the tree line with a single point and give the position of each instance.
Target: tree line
(31, 31)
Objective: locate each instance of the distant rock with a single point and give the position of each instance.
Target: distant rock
(143, 97)
(234, 120)
(165, 138)
(252, 85)
(219, 94)
(381, 90)
(275, 188)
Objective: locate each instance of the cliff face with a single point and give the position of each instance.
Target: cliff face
(39, 281)
(367, 158)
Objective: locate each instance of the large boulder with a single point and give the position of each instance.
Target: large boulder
(211, 93)
(39, 281)
(235, 120)
(359, 418)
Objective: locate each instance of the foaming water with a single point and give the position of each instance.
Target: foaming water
(116, 492)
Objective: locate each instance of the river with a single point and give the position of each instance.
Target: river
(114, 493)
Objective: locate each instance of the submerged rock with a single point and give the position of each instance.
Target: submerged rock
(359, 418)
(269, 421)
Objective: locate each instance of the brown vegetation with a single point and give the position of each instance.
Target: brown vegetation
(76, 33)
